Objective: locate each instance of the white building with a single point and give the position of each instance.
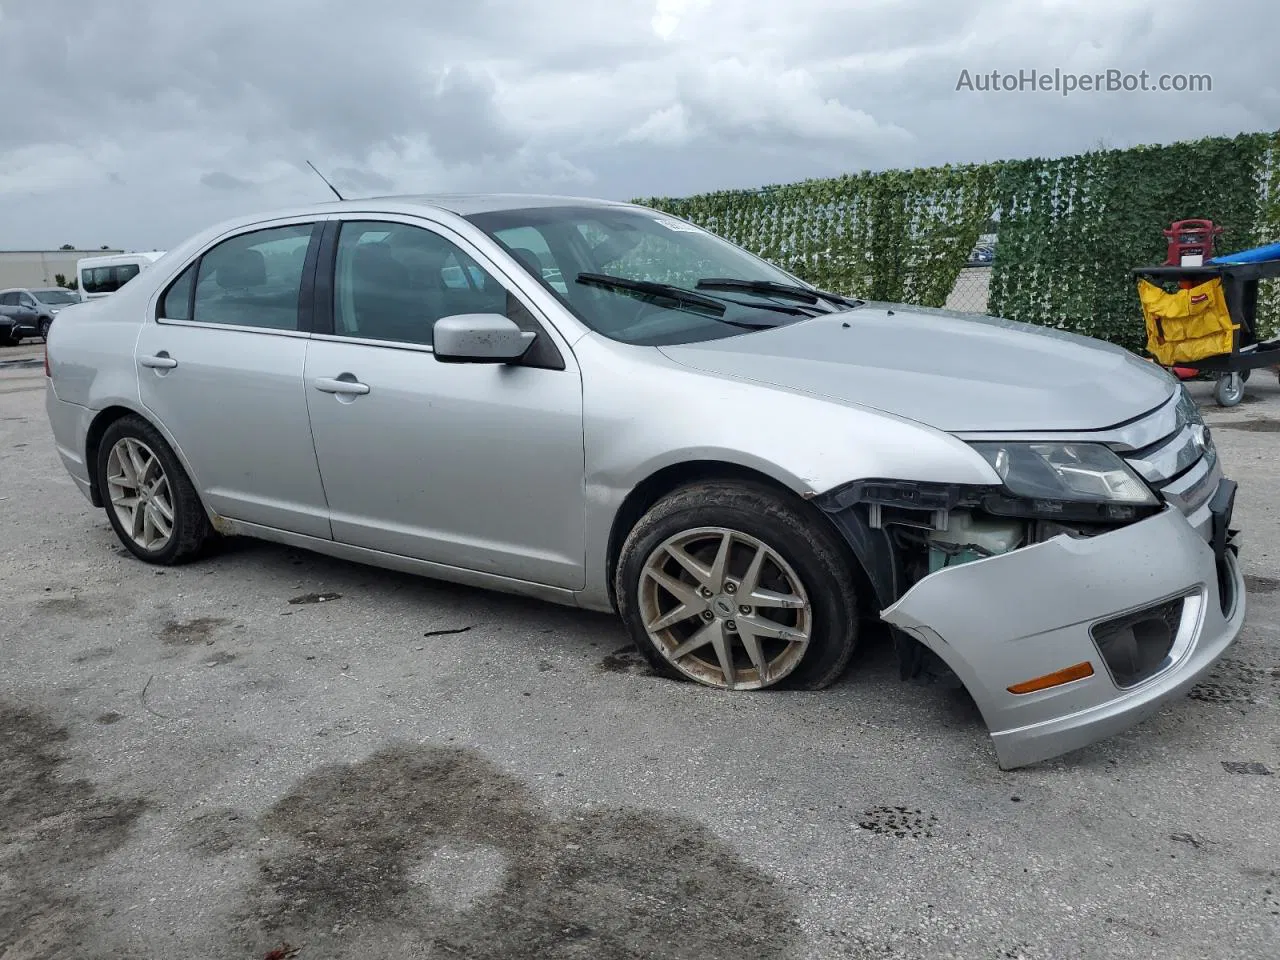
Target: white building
(37, 268)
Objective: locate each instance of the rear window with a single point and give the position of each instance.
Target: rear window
(107, 279)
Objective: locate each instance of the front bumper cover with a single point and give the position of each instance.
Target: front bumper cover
(1002, 620)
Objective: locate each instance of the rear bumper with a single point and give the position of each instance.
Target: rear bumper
(70, 425)
(1007, 619)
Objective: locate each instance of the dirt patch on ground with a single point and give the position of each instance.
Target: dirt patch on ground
(1259, 425)
(51, 831)
(441, 853)
(179, 633)
(626, 660)
(218, 831)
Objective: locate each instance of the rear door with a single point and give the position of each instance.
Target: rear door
(220, 365)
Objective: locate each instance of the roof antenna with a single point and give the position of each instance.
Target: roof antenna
(326, 182)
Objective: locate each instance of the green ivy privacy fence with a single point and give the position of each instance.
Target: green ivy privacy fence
(1068, 230)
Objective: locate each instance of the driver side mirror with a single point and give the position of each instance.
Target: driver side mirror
(479, 338)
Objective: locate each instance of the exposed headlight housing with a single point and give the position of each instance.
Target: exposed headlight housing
(1066, 473)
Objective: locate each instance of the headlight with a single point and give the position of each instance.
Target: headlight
(1075, 472)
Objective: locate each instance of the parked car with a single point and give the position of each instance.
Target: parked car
(9, 337)
(45, 301)
(744, 467)
(19, 318)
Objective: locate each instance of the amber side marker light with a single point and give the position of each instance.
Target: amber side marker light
(1078, 672)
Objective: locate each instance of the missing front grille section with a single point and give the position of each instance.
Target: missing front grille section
(1136, 645)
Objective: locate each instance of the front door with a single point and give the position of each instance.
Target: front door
(220, 367)
(477, 466)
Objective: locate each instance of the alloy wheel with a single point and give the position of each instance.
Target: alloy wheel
(140, 495)
(725, 608)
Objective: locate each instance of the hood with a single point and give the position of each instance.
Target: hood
(953, 371)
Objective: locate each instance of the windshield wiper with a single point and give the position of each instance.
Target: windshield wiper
(803, 311)
(792, 290)
(652, 288)
(710, 307)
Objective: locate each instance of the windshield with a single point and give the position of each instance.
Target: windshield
(56, 296)
(658, 261)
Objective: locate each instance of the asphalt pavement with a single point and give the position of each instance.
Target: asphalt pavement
(270, 753)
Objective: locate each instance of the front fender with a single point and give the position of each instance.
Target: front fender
(644, 413)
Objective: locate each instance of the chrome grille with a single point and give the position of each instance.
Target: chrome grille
(1183, 464)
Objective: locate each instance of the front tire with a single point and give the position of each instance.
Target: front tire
(151, 503)
(733, 586)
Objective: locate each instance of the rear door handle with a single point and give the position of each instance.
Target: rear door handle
(161, 361)
(351, 388)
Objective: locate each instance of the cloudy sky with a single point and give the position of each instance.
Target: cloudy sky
(136, 122)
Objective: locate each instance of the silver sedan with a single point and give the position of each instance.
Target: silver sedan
(598, 404)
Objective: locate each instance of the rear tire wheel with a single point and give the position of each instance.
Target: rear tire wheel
(731, 585)
(151, 503)
(44, 329)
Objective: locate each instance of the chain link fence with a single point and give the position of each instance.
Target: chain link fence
(969, 294)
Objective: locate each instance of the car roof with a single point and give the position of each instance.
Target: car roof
(456, 204)
(464, 204)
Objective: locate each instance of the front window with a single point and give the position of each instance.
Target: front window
(57, 297)
(557, 245)
(393, 281)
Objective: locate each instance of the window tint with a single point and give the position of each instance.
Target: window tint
(253, 280)
(393, 282)
(101, 279)
(107, 279)
(25, 300)
(8, 299)
(176, 304)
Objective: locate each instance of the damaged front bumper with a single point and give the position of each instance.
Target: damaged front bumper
(1000, 621)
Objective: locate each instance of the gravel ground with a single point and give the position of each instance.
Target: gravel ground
(197, 762)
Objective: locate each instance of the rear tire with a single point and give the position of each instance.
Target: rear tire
(151, 503)
(45, 324)
(731, 573)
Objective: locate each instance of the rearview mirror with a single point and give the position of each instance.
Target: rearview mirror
(479, 338)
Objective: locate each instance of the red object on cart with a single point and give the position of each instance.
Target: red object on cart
(1189, 238)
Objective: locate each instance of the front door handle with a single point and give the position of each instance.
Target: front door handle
(350, 388)
(161, 361)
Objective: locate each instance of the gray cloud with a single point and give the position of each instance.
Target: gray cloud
(362, 179)
(219, 180)
(113, 122)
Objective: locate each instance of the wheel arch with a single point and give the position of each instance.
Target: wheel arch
(93, 440)
(674, 476)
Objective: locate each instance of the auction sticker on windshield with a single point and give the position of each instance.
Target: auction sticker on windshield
(676, 225)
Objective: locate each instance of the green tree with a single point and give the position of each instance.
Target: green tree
(67, 246)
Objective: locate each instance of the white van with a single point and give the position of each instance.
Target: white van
(99, 276)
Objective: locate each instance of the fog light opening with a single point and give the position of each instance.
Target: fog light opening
(1137, 646)
(1079, 671)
